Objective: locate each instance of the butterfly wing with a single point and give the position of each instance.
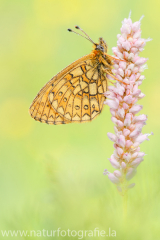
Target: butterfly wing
(73, 95)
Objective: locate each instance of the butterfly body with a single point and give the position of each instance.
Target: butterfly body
(76, 94)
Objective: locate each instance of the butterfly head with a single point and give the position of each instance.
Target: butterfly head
(102, 46)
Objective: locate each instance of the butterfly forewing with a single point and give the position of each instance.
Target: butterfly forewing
(73, 95)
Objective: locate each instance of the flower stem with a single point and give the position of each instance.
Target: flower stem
(125, 198)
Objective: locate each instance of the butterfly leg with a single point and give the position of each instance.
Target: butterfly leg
(106, 71)
(118, 59)
(111, 82)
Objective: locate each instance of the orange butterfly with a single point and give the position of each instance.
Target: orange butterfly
(76, 93)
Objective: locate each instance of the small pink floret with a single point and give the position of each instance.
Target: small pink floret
(130, 173)
(113, 178)
(117, 173)
(112, 136)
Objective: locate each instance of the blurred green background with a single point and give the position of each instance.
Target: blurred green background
(52, 176)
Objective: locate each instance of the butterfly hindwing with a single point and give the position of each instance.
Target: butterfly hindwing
(74, 95)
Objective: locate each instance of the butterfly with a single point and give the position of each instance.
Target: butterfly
(76, 94)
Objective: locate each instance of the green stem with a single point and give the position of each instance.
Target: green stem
(125, 198)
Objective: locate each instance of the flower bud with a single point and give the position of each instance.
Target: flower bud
(113, 179)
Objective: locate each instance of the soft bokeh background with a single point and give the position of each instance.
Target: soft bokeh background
(51, 176)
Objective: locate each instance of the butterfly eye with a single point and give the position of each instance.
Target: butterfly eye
(100, 47)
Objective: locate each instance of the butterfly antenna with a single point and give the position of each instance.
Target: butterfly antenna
(70, 30)
(77, 27)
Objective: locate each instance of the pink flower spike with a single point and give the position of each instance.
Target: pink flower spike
(113, 179)
(123, 102)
